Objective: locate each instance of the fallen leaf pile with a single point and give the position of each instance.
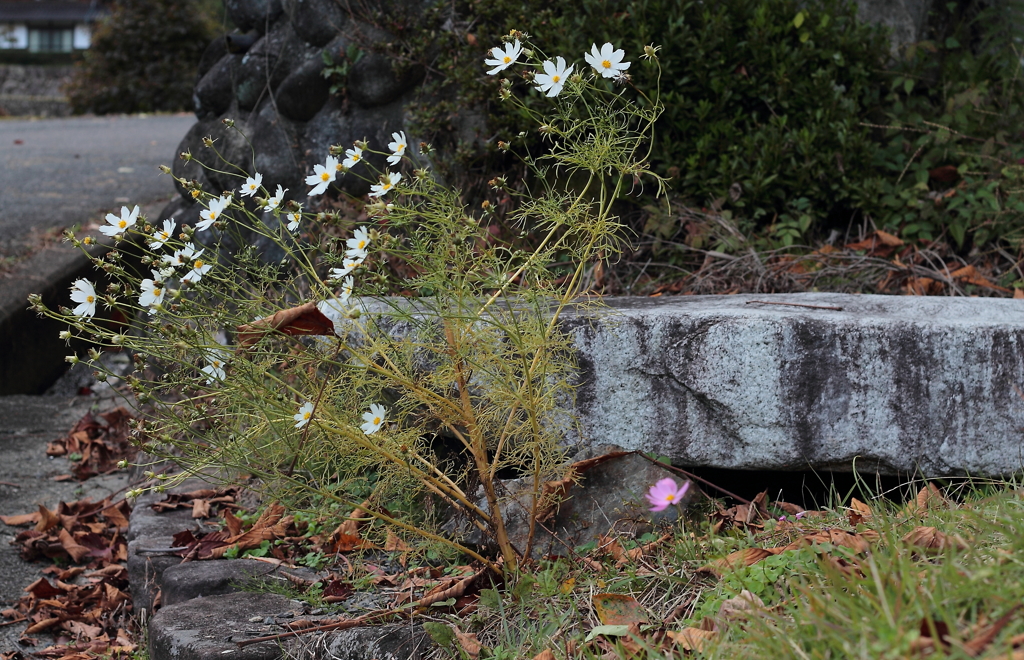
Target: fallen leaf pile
(82, 601)
(98, 442)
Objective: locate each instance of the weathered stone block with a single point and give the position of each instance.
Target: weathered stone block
(253, 14)
(202, 579)
(886, 383)
(301, 95)
(207, 628)
(268, 63)
(215, 89)
(315, 21)
(375, 80)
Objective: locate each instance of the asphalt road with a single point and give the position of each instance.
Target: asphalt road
(56, 173)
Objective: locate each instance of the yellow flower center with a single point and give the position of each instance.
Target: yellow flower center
(198, 264)
(122, 224)
(307, 414)
(355, 158)
(165, 235)
(669, 498)
(362, 244)
(401, 147)
(216, 364)
(325, 176)
(376, 421)
(157, 293)
(195, 194)
(555, 78)
(507, 59)
(90, 299)
(387, 186)
(606, 64)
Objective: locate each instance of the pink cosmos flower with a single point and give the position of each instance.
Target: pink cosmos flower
(666, 492)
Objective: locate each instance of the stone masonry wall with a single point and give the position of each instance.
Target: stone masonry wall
(34, 90)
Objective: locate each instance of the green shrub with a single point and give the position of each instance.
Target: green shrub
(143, 58)
(776, 109)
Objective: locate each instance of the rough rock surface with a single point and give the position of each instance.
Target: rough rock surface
(207, 628)
(605, 500)
(894, 384)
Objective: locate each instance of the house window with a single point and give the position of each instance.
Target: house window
(50, 40)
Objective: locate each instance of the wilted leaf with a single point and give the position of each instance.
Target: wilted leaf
(47, 519)
(928, 498)
(76, 551)
(302, 320)
(737, 607)
(23, 519)
(395, 544)
(469, 643)
(546, 654)
(859, 511)
(931, 540)
(738, 559)
(618, 609)
(691, 639)
(200, 509)
(977, 644)
(232, 522)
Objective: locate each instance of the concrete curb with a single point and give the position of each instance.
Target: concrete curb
(208, 606)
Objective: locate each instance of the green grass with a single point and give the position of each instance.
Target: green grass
(887, 603)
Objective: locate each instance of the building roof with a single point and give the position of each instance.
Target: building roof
(63, 11)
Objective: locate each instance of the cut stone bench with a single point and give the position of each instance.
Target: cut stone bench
(887, 384)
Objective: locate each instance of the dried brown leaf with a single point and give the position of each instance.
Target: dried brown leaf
(302, 320)
(469, 643)
(977, 644)
(200, 508)
(691, 639)
(738, 559)
(931, 540)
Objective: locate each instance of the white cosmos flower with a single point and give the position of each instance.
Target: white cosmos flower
(199, 268)
(554, 76)
(215, 369)
(322, 176)
(303, 416)
(358, 243)
(387, 182)
(293, 219)
(119, 225)
(182, 256)
(152, 292)
(503, 58)
(607, 61)
(252, 185)
(161, 236)
(346, 289)
(209, 215)
(276, 200)
(84, 293)
(397, 147)
(352, 156)
(348, 265)
(373, 419)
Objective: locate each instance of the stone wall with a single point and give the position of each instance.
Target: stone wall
(34, 90)
(270, 81)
